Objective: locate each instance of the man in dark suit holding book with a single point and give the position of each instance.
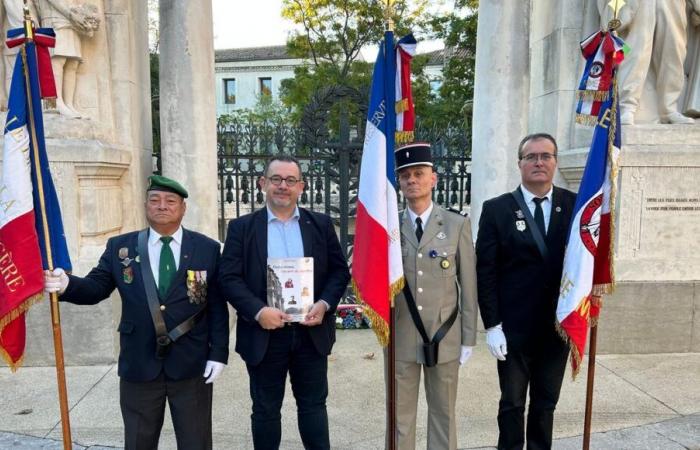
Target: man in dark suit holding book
(268, 342)
(520, 252)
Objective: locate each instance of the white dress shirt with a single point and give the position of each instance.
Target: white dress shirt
(155, 245)
(546, 204)
(423, 217)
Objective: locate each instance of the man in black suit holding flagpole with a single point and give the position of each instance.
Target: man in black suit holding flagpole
(520, 251)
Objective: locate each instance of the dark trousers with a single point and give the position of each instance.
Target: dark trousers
(143, 408)
(290, 349)
(539, 362)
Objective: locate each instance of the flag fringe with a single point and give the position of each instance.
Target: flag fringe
(610, 288)
(404, 137)
(586, 119)
(575, 355)
(20, 309)
(379, 325)
(602, 289)
(14, 365)
(596, 96)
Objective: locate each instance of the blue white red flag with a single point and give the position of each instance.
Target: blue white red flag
(377, 269)
(24, 252)
(588, 267)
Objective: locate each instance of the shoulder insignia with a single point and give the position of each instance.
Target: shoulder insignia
(456, 211)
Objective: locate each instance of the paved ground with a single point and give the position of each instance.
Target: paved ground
(641, 402)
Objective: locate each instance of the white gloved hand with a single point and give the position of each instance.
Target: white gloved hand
(56, 281)
(213, 370)
(496, 341)
(465, 355)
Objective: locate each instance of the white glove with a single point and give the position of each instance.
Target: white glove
(496, 341)
(213, 370)
(56, 281)
(466, 354)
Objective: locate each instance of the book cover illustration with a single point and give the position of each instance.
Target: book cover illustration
(290, 285)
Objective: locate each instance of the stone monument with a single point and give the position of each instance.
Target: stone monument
(528, 64)
(99, 164)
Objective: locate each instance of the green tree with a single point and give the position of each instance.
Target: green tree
(332, 34)
(458, 31)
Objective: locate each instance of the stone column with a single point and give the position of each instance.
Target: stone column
(501, 94)
(187, 107)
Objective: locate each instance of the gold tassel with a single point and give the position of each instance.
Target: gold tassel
(401, 106)
(404, 137)
(586, 119)
(596, 96)
(379, 325)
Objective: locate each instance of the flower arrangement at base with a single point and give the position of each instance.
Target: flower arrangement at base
(350, 316)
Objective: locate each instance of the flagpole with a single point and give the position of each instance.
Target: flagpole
(55, 312)
(392, 313)
(613, 25)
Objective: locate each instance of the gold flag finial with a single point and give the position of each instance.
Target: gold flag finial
(389, 15)
(616, 6)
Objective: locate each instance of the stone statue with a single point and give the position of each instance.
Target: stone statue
(656, 31)
(12, 14)
(69, 21)
(691, 105)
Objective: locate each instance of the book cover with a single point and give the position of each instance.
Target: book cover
(290, 285)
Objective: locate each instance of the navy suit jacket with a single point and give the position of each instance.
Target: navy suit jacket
(207, 340)
(243, 277)
(517, 286)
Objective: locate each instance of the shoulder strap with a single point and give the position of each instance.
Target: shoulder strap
(149, 284)
(539, 240)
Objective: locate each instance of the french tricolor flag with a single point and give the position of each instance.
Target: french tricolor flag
(588, 269)
(28, 202)
(377, 269)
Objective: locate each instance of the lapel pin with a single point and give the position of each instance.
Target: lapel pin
(137, 259)
(123, 253)
(558, 209)
(441, 235)
(126, 261)
(520, 225)
(519, 214)
(433, 253)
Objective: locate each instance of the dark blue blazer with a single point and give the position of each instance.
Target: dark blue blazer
(208, 340)
(243, 277)
(516, 284)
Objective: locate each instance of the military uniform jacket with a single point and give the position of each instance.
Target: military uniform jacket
(120, 268)
(437, 289)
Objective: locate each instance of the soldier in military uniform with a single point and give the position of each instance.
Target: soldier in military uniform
(174, 324)
(439, 266)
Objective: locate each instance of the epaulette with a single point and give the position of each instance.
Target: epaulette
(456, 211)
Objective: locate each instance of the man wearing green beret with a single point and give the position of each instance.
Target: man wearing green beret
(174, 324)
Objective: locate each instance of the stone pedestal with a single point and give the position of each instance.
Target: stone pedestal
(99, 164)
(657, 253)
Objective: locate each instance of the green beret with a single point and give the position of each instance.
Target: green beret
(161, 183)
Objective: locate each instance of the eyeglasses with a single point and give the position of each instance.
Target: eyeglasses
(534, 157)
(277, 180)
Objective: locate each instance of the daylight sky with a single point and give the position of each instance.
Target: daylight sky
(254, 23)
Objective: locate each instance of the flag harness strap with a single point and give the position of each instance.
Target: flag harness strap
(539, 240)
(163, 337)
(430, 347)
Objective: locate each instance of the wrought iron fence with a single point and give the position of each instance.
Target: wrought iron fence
(329, 148)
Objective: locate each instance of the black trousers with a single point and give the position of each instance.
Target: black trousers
(143, 409)
(290, 350)
(538, 362)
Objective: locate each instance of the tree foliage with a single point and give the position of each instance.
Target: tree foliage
(458, 30)
(332, 33)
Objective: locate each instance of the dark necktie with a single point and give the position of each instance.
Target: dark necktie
(539, 214)
(419, 228)
(166, 266)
